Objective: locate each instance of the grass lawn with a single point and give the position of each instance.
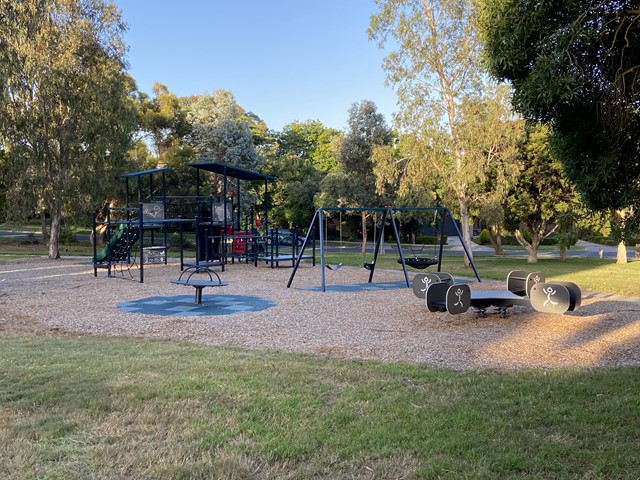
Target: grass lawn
(77, 407)
(86, 407)
(593, 274)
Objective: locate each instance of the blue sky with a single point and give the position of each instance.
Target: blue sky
(284, 60)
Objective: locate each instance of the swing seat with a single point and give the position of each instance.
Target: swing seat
(419, 262)
(334, 267)
(369, 266)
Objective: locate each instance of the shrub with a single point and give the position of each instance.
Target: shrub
(509, 240)
(483, 238)
(428, 240)
(174, 241)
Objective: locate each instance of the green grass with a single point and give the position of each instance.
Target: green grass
(594, 274)
(105, 408)
(87, 407)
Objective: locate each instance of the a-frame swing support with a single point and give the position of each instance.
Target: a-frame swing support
(386, 212)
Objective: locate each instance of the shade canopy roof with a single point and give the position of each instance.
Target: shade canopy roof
(230, 171)
(145, 172)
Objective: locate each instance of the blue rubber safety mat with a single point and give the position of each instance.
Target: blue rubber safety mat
(184, 305)
(357, 287)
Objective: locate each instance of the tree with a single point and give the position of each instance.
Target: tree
(163, 119)
(436, 65)
(576, 66)
(227, 142)
(66, 114)
(542, 198)
(491, 137)
(301, 159)
(161, 140)
(222, 130)
(3, 186)
(353, 183)
(210, 109)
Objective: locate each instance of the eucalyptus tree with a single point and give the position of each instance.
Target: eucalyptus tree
(434, 66)
(3, 184)
(221, 130)
(66, 111)
(163, 120)
(491, 136)
(161, 141)
(353, 183)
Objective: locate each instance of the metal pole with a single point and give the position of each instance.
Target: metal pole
(141, 240)
(377, 247)
(304, 245)
(464, 246)
(395, 231)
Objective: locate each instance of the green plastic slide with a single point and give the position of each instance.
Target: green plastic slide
(115, 241)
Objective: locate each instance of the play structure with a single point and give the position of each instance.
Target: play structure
(125, 231)
(223, 233)
(446, 225)
(442, 294)
(135, 235)
(222, 228)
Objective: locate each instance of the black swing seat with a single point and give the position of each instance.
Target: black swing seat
(419, 263)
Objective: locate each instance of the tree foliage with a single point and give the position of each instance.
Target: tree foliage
(491, 137)
(576, 65)
(434, 67)
(353, 183)
(366, 130)
(221, 130)
(164, 120)
(542, 198)
(302, 157)
(161, 141)
(66, 114)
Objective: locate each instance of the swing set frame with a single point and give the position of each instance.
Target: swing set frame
(317, 223)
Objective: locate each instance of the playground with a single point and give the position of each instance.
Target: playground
(382, 321)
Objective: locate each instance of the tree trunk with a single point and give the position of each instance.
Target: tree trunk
(464, 225)
(496, 240)
(621, 254)
(531, 248)
(364, 233)
(43, 226)
(620, 218)
(54, 237)
(563, 253)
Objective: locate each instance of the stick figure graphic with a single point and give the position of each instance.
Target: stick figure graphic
(427, 282)
(458, 293)
(549, 291)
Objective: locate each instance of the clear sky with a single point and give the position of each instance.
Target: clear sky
(284, 60)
